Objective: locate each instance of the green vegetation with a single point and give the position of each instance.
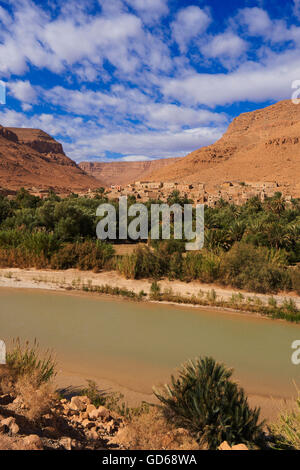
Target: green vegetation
(204, 400)
(106, 289)
(254, 247)
(26, 360)
(286, 432)
(288, 310)
(114, 401)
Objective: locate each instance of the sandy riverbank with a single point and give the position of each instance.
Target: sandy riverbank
(72, 382)
(61, 280)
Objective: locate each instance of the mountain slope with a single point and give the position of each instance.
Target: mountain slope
(262, 145)
(32, 158)
(122, 173)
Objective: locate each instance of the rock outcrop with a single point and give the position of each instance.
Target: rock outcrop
(32, 158)
(262, 145)
(70, 425)
(122, 173)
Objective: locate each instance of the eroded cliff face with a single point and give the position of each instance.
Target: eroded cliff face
(32, 158)
(263, 145)
(122, 173)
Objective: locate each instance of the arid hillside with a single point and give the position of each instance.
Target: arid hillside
(262, 145)
(122, 173)
(31, 158)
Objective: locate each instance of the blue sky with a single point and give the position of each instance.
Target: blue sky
(143, 79)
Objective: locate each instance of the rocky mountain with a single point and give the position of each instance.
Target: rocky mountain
(122, 173)
(259, 146)
(32, 158)
(263, 145)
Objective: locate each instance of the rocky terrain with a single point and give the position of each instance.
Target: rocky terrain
(122, 173)
(37, 420)
(73, 424)
(259, 146)
(263, 145)
(33, 159)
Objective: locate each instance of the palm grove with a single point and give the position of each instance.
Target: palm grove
(255, 246)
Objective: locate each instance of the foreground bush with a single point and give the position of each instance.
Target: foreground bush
(286, 433)
(26, 360)
(204, 400)
(37, 397)
(151, 430)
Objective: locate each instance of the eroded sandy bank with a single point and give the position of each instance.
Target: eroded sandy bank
(61, 280)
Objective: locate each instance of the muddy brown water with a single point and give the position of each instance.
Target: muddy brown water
(137, 345)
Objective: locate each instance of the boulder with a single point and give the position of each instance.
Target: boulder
(78, 403)
(14, 428)
(86, 423)
(11, 424)
(66, 442)
(226, 446)
(239, 447)
(90, 408)
(33, 442)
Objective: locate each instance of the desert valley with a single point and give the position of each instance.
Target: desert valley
(149, 230)
(257, 156)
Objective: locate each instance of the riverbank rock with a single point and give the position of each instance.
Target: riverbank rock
(79, 403)
(33, 442)
(226, 446)
(10, 424)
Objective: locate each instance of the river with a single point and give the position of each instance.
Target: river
(137, 345)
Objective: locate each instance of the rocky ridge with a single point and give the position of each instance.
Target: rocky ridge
(32, 158)
(122, 173)
(262, 145)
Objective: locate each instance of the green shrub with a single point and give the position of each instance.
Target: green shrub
(143, 263)
(295, 275)
(114, 401)
(204, 400)
(155, 291)
(286, 432)
(87, 255)
(254, 268)
(26, 360)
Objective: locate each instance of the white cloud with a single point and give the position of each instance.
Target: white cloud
(150, 10)
(296, 9)
(23, 91)
(135, 158)
(89, 141)
(159, 115)
(190, 23)
(123, 104)
(152, 144)
(225, 46)
(256, 19)
(152, 102)
(258, 23)
(257, 82)
(68, 40)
